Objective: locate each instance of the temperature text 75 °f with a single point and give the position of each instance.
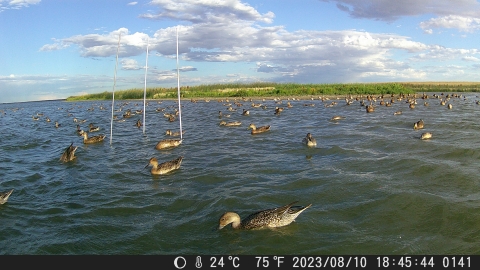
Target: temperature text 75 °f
(264, 261)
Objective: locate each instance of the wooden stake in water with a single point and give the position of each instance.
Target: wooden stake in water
(145, 89)
(178, 93)
(113, 92)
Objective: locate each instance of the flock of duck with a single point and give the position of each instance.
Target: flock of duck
(276, 217)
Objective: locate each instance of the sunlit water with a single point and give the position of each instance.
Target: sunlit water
(376, 188)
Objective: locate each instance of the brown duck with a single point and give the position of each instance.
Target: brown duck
(257, 130)
(93, 139)
(270, 218)
(164, 167)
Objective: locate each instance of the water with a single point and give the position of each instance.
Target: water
(376, 188)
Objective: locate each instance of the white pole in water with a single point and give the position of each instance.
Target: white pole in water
(178, 93)
(113, 92)
(145, 89)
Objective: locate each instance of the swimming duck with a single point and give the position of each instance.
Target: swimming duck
(270, 218)
(309, 140)
(57, 125)
(138, 123)
(4, 196)
(278, 110)
(245, 112)
(92, 128)
(418, 125)
(174, 133)
(94, 139)
(230, 124)
(69, 153)
(167, 143)
(370, 108)
(127, 114)
(426, 136)
(256, 130)
(165, 167)
(397, 113)
(80, 131)
(336, 118)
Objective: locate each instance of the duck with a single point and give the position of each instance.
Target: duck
(69, 153)
(419, 124)
(80, 131)
(397, 113)
(245, 112)
(336, 118)
(127, 114)
(57, 125)
(174, 133)
(309, 140)
(269, 218)
(230, 124)
(257, 130)
(370, 108)
(4, 196)
(167, 143)
(426, 136)
(138, 123)
(278, 110)
(94, 139)
(165, 167)
(93, 128)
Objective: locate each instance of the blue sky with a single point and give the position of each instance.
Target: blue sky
(52, 49)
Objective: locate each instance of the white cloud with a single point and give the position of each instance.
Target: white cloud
(132, 3)
(130, 64)
(16, 4)
(196, 11)
(471, 59)
(464, 24)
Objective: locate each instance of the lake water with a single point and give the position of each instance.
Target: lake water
(374, 185)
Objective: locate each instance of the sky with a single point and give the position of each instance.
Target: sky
(54, 49)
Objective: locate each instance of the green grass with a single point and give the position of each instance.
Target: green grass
(268, 89)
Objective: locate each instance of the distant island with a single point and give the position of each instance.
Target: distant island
(269, 89)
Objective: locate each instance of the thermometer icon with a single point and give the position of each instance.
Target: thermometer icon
(198, 262)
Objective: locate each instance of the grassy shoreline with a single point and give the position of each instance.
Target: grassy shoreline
(267, 89)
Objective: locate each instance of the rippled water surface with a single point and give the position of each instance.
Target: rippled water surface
(376, 188)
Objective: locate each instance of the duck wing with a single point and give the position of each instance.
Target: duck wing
(267, 218)
(170, 165)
